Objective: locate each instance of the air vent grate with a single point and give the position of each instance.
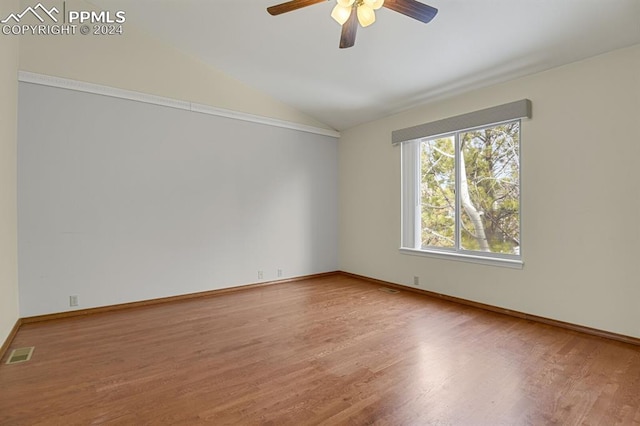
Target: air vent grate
(20, 355)
(389, 290)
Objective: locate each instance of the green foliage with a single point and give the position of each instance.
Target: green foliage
(437, 192)
(492, 164)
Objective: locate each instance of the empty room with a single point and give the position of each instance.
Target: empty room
(305, 212)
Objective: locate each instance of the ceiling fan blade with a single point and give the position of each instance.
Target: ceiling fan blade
(291, 5)
(413, 9)
(349, 28)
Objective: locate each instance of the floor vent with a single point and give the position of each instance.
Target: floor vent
(20, 355)
(389, 290)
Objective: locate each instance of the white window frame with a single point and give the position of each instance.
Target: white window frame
(410, 171)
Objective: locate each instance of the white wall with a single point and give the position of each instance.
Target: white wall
(8, 212)
(121, 201)
(580, 198)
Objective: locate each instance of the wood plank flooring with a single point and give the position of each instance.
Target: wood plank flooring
(327, 351)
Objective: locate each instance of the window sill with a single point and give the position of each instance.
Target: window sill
(463, 257)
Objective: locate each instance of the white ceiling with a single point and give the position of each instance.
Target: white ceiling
(397, 62)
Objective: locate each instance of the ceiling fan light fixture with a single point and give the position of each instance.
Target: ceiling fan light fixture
(341, 13)
(366, 15)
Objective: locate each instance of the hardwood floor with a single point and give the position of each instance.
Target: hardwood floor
(331, 350)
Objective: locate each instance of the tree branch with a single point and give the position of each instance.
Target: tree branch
(431, 231)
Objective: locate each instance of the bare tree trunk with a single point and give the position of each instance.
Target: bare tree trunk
(471, 210)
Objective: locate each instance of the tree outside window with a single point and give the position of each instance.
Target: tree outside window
(469, 191)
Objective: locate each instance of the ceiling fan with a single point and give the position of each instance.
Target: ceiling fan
(349, 12)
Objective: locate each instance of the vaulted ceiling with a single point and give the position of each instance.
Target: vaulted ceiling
(396, 63)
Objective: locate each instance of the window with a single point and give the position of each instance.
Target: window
(461, 194)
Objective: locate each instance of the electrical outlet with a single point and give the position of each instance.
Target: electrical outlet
(416, 280)
(73, 300)
(260, 275)
(279, 272)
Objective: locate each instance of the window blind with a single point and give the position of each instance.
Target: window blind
(496, 114)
